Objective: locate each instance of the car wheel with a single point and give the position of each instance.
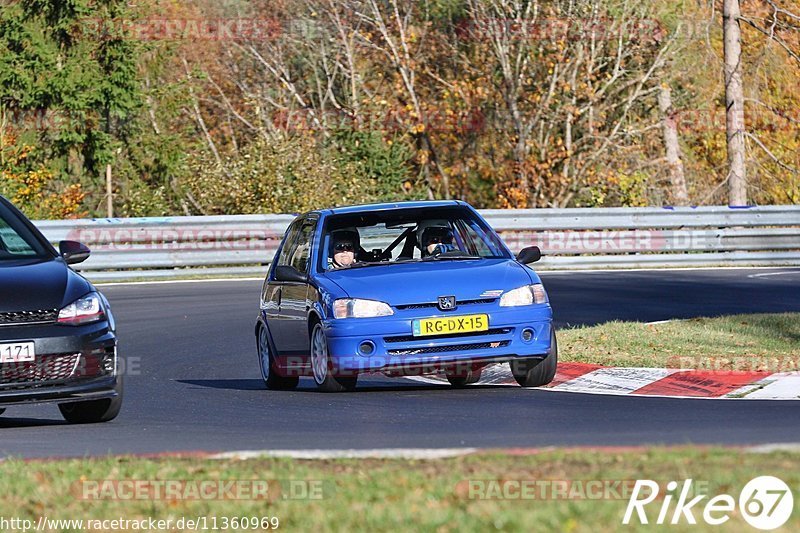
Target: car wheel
(462, 379)
(93, 411)
(322, 366)
(272, 380)
(537, 372)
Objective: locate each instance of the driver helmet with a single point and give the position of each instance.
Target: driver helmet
(434, 232)
(340, 238)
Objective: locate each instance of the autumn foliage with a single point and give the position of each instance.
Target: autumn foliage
(280, 106)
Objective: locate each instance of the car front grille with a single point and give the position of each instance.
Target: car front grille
(450, 348)
(411, 338)
(21, 318)
(433, 305)
(45, 369)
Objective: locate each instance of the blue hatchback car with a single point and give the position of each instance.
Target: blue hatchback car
(401, 289)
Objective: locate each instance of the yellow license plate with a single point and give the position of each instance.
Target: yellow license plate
(452, 324)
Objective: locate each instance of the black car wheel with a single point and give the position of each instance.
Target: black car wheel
(93, 411)
(323, 367)
(537, 372)
(462, 379)
(271, 378)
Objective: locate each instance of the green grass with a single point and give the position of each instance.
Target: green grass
(391, 495)
(737, 342)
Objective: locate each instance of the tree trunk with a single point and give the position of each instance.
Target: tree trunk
(734, 103)
(674, 157)
(109, 193)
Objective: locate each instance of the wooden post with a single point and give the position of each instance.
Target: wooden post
(734, 103)
(109, 193)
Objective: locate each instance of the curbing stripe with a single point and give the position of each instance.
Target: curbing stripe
(615, 380)
(785, 385)
(387, 453)
(588, 378)
(569, 371)
(412, 453)
(700, 384)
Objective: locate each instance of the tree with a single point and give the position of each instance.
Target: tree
(734, 103)
(71, 63)
(680, 196)
(573, 79)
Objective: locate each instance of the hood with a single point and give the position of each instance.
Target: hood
(39, 284)
(421, 282)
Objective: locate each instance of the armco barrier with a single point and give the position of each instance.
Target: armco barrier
(167, 247)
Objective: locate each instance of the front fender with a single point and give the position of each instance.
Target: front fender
(317, 311)
(326, 293)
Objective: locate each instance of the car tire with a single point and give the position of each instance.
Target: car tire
(322, 365)
(462, 379)
(93, 411)
(272, 380)
(537, 372)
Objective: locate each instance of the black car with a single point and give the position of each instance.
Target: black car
(57, 333)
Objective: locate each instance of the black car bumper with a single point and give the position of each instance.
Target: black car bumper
(78, 391)
(71, 364)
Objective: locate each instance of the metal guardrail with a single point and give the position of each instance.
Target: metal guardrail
(167, 247)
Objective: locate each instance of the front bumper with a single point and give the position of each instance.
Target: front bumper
(78, 391)
(396, 351)
(72, 364)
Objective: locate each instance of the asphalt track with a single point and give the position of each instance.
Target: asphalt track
(193, 382)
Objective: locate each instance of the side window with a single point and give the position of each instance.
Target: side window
(474, 239)
(289, 244)
(11, 242)
(302, 249)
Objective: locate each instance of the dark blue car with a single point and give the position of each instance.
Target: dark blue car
(58, 339)
(401, 289)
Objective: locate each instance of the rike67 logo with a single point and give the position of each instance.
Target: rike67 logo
(765, 503)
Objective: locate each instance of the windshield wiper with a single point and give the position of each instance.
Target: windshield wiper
(454, 257)
(361, 264)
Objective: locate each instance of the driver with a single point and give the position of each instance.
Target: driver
(435, 237)
(344, 244)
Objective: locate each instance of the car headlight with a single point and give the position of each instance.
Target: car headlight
(527, 295)
(355, 308)
(82, 311)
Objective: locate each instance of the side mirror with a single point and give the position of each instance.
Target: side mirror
(73, 252)
(529, 255)
(289, 273)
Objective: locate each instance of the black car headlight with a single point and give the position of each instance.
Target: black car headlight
(84, 310)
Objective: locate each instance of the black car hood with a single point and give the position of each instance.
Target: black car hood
(39, 284)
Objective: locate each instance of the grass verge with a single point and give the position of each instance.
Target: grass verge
(769, 342)
(389, 495)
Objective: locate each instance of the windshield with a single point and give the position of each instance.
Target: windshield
(16, 239)
(372, 239)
